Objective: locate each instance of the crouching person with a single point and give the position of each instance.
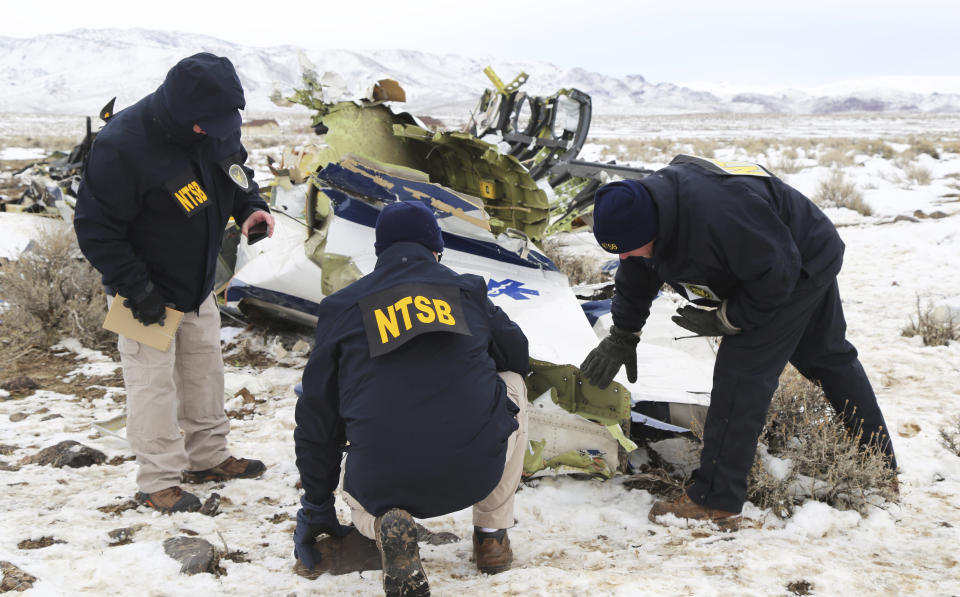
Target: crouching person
(418, 377)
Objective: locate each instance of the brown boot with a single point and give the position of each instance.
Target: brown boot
(684, 507)
(403, 574)
(492, 551)
(231, 468)
(171, 499)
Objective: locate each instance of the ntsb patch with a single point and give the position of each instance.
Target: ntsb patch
(725, 168)
(187, 193)
(232, 166)
(394, 316)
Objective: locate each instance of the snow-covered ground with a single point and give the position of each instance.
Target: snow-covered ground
(572, 537)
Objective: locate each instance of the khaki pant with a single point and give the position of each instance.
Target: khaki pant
(496, 510)
(174, 390)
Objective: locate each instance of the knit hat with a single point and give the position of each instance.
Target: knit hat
(407, 221)
(624, 216)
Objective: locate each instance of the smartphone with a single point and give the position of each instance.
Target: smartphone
(257, 233)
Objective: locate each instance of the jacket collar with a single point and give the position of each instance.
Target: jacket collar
(404, 252)
(662, 187)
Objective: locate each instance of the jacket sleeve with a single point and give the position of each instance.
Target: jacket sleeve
(760, 253)
(108, 201)
(319, 436)
(509, 347)
(635, 286)
(247, 201)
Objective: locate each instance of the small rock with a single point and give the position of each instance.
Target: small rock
(938, 214)
(66, 453)
(300, 347)
(15, 579)
(425, 535)
(121, 536)
(6, 450)
(10, 468)
(908, 429)
(194, 554)
(903, 218)
(19, 383)
(17, 417)
(53, 416)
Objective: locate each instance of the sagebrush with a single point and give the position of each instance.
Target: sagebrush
(51, 292)
(826, 462)
(837, 191)
(937, 326)
(950, 436)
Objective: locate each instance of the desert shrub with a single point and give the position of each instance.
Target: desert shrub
(836, 156)
(950, 436)
(951, 147)
(756, 146)
(838, 191)
(937, 326)
(52, 292)
(875, 147)
(704, 147)
(918, 174)
(824, 460)
(784, 164)
(921, 145)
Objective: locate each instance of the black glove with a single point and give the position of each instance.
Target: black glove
(703, 322)
(313, 520)
(149, 307)
(603, 362)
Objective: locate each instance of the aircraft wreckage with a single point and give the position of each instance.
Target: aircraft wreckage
(486, 188)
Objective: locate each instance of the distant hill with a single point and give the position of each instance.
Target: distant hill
(78, 71)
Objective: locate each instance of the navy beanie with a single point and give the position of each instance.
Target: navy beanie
(407, 221)
(624, 216)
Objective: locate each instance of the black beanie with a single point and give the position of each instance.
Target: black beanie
(407, 221)
(624, 216)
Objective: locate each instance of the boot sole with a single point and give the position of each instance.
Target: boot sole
(403, 574)
(195, 478)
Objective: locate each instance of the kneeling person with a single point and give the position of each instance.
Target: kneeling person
(418, 377)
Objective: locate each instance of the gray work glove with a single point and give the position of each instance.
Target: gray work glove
(704, 322)
(617, 349)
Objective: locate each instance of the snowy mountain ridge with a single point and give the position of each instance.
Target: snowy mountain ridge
(78, 71)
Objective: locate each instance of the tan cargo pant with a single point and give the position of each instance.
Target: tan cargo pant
(496, 510)
(180, 389)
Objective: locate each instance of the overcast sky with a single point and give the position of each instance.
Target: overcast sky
(749, 42)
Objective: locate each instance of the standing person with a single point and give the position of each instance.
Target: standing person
(418, 377)
(162, 180)
(732, 236)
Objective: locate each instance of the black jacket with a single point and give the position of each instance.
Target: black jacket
(155, 196)
(427, 420)
(749, 240)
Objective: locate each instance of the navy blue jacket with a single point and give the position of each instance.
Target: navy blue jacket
(749, 240)
(155, 196)
(428, 422)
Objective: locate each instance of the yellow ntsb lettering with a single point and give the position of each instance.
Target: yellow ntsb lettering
(191, 196)
(389, 325)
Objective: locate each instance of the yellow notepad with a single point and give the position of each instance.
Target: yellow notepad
(120, 320)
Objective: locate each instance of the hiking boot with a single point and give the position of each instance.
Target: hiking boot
(231, 468)
(403, 574)
(171, 499)
(492, 551)
(684, 507)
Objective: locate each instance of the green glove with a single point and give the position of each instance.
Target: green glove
(617, 349)
(703, 322)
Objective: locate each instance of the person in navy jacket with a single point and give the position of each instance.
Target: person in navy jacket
(417, 375)
(163, 178)
(765, 259)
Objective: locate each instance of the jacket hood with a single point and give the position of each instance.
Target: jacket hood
(197, 87)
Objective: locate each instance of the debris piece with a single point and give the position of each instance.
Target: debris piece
(211, 505)
(118, 460)
(280, 517)
(194, 554)
(66, 453)
(52, 416)
(353, 553)
(15, 579)
(117, 509)
(425, 535)
(38, 543)
(19, 383)
(121, 536)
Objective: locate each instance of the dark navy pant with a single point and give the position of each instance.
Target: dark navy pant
(809, 331)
